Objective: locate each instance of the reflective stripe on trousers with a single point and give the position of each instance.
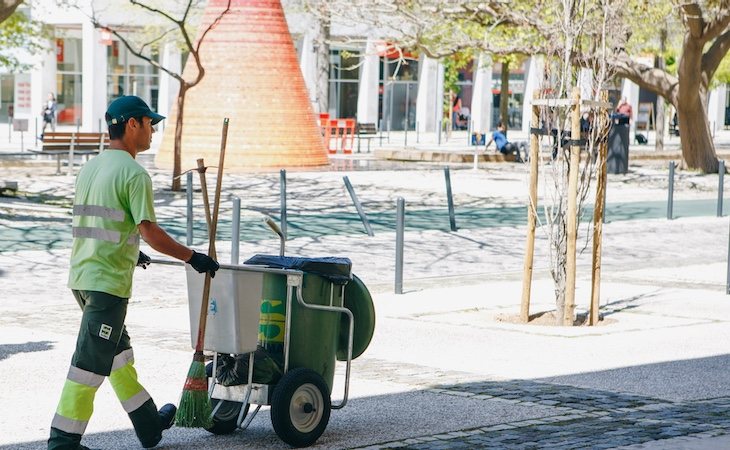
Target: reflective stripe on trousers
(77, 398)
(77, 401)
(123, 378)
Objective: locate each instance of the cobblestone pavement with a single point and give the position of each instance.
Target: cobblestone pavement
(583, 418)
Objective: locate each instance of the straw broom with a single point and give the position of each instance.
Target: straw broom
(195, 409)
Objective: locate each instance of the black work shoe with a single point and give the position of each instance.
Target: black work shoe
(167, 419)
(167, 416)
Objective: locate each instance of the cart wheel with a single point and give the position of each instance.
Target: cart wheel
(224, 420)
(300, 407)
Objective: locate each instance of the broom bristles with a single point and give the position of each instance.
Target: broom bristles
(195, 409)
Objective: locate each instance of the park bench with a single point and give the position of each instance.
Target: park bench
(365, 131)
(59, 144)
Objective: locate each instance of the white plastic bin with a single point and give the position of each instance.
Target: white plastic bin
(233, 309)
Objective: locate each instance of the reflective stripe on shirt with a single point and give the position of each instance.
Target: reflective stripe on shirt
(99, 211)
(97, 233)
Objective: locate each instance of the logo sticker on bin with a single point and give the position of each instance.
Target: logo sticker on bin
(212, 307)
(272, 321)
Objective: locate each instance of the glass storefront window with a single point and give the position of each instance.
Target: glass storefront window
(7, 93)
(129, 75)
(405, 71)
(344, 83)
(398, 94)
(68, 79)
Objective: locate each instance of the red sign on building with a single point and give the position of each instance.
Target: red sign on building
(59, 50)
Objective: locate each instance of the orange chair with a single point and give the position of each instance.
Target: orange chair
(348, 134)
(332, 135)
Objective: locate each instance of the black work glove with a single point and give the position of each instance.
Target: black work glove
(143, 260)
(203, 263)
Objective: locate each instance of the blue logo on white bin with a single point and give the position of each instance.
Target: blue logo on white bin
(213, 307)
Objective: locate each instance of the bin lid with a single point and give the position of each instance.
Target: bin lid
(337, 270)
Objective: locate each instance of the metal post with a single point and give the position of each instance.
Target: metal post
(189, 192)
(439, 132)
(727, 282)
(468, 131)
(450, 199)
(380, 128)
(358, 206)
(418, 137)
(235, 229)
(78, 125)
(36, 132)
(405, 141)
(282, 195)
(101, 130)
(670, 197)
(720, 186)
(399, 230)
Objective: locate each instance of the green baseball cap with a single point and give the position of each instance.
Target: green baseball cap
(128, 106)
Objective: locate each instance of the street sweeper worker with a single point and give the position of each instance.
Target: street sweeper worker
(113, 208)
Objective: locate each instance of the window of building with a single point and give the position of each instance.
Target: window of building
(130, 75)
(7, 93)
(344, 82)
(68, 77)
(516, 95)
(399, 92)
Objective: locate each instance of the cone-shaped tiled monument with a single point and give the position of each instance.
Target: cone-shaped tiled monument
(252, 76)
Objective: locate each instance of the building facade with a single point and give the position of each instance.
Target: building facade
(85, 68)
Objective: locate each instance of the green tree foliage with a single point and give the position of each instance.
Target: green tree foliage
(18, 35)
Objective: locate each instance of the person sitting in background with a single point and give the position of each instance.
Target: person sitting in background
(505, 147)
(458, 122)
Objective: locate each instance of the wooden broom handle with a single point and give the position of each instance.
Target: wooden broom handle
(212, 227)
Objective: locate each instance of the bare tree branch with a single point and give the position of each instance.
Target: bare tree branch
(160, 12)
(692, 17)
(713, 57)
(718, 25)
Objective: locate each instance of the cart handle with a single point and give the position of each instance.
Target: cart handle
(275, 228)
(350, 336)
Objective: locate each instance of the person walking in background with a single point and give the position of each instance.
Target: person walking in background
(49, 114)
(113, 208)
(499, 137)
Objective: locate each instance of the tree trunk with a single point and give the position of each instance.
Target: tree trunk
(177, 149)
(560, 251)
(698, 150)
(504, 96)
(661, 104)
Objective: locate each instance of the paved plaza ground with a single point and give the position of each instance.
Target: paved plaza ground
(447, 367)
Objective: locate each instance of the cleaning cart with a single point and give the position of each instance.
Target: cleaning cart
(276, 327)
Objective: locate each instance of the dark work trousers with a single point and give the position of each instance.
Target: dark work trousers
(103, 350)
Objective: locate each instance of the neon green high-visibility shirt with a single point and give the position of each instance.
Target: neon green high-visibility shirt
(113, 196)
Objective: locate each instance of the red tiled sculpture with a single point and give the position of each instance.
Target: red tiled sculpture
(252, 76)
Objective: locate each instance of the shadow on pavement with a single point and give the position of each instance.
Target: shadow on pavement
(8, 350)
(602, 409)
